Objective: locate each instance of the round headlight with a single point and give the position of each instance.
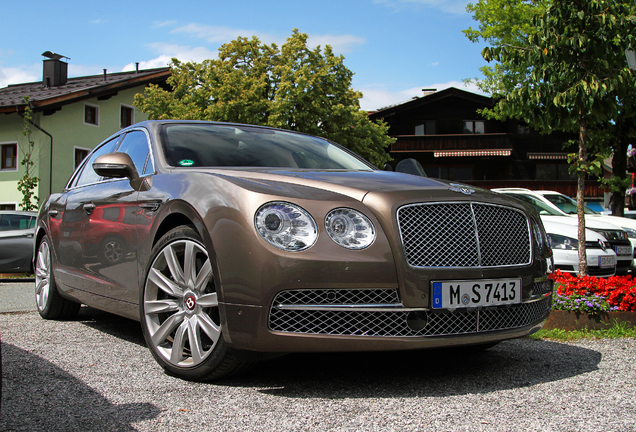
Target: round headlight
(349, 228)
(286, 226)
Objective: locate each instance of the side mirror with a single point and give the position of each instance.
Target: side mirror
(410, 166)
(117, 165)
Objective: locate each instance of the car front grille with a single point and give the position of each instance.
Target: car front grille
(290, 312)
(464, 235)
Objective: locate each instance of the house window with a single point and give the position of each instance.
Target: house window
(9, 156)
(426, 128)
(126, 116)
(474, 126)
(554, 171)
(91, 114)
(7, 206)
(80, 154)
(523, 129)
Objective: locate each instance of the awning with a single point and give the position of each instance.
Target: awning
(548, 156)
(450, 153)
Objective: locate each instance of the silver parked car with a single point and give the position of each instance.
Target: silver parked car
(16, 241)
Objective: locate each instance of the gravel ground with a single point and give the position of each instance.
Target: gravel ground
(95, 373)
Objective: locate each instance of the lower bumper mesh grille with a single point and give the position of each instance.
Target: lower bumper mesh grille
(322, 321)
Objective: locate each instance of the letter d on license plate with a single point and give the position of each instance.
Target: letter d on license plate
(473, 293)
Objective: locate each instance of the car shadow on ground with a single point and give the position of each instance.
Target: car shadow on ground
(58, 401)
(421, 373)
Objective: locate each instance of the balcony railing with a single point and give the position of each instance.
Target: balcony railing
(414, 143)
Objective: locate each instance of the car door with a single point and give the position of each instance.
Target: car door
(67, 214)
(16, 242)
(110, 231)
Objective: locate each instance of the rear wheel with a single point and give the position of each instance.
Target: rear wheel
(180, 311)
(50, 304)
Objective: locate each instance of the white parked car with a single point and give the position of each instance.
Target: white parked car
(616, 238)
(601, 259)
(603, 224)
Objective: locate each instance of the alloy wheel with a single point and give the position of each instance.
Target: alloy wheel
(181, 305)
(42, 276)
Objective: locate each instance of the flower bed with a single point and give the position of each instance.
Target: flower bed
(593, 295)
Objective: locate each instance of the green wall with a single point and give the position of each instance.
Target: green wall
(68, 130)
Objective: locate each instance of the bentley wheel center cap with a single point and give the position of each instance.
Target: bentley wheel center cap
(190, 302)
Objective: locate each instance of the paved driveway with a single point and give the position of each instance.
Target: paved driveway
(95, 373)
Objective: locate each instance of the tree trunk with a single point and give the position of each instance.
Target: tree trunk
(580, 198)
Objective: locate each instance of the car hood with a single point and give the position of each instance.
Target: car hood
(370, 186)
(552, 226)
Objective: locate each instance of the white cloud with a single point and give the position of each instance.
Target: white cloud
(450, 6)
(341, 44)
(218, 35)
(376, 97)
(158, 24)
(10, 75)
(168, 51)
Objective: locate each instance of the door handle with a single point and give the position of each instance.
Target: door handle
(89, 207)
(53, 213)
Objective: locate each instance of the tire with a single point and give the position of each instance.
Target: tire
(179, 310)
(50, 303)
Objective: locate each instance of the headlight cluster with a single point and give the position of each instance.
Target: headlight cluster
(562, 242)
(289, 227)
(630, 232)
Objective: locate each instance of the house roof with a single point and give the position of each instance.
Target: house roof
(450, 92)
(51, 98)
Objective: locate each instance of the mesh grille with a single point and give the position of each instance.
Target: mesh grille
(464, 235)
(395, 323)
(543, 287)
(337, 296)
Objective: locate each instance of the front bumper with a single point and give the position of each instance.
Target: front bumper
(298, 321)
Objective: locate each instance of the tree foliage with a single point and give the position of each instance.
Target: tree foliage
(294, 88)
(28, 182)
(576, 76)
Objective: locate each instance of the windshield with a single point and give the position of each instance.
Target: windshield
(566, 204)
(213, 145)
(542, 208)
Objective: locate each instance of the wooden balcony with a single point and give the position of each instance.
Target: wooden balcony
(429, 143)
(592, 188)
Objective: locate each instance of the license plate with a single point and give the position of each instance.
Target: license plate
(473, 293)
(607, 261)
(623, 250)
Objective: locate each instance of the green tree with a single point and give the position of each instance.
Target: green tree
(577, 75)
(294, 88)
(28, 182)
(510, 23)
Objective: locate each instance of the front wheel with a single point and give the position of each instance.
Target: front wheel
(180, 311)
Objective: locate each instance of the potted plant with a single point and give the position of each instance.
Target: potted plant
(631, 198)
(631, 160)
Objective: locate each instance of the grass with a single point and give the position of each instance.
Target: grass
(16, 275)
(613, 331)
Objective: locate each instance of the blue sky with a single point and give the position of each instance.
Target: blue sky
(394, 47)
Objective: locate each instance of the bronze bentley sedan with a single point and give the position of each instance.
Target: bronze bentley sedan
(230, 243)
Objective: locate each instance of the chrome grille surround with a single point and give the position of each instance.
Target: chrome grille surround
(291, 313)
(464, 234)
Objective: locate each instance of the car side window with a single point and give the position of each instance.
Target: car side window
(135, 144)
(88, 174)
(14, 222)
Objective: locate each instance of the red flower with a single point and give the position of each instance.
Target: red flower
(620, 291)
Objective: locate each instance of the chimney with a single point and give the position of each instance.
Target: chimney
(55, 71)
(428, 91)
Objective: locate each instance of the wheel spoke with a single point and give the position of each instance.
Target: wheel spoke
(209, 327)
(173, 264)
(195, 340)
(189, 265)
(161, 306)
(208, 300)
(176, 354)
(164, 283)
(166, 328)
(204, 276)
